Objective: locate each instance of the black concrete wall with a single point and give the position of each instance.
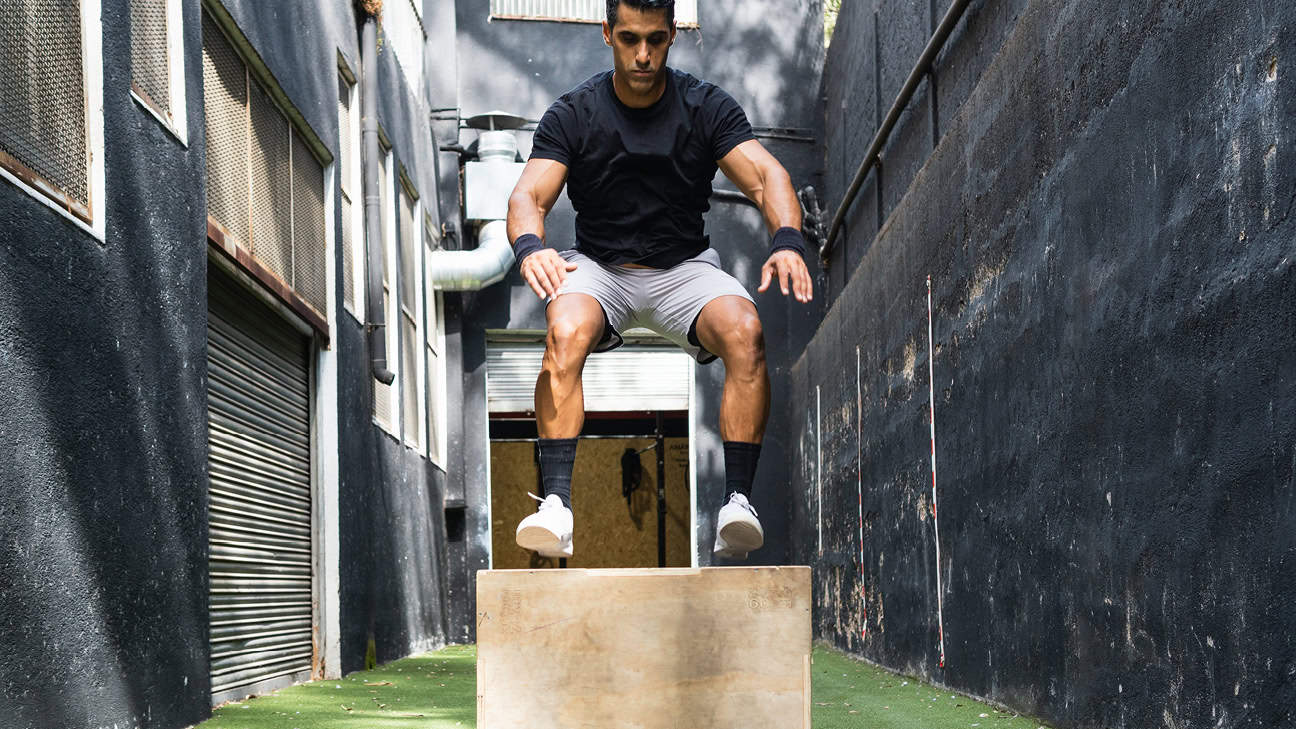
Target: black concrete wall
(1105, 216)
(769, 59)
(103, 427)
(103, 422)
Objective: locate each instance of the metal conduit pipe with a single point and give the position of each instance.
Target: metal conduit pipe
(476, 269)
(920, 68)
(376, 315)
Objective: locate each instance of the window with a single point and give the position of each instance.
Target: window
(265, 185)
(51, 105)
(384, 403)
(157, 61)
(577, 11)
(353, 268)
(434, 342)
(402, 25)
(411, 303)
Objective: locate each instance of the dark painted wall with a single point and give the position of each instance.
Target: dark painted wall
(103, 423)
(103, 426)
(1106, 220)
(768, 58)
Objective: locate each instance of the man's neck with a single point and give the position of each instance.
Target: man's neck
(633, 100)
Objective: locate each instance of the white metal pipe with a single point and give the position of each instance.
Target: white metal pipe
(475, 269)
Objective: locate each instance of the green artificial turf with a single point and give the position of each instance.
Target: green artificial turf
(439, 691)
(429, 691)
(851, 694)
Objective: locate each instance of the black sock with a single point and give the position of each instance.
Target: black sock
(740, 467)
(557, 456)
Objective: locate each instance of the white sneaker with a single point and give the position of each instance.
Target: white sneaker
(549, 530)
(738, 531)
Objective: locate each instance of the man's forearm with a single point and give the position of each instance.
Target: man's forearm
(778, 201)
(524, 216)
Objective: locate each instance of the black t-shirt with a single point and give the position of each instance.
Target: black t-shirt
(640, 179)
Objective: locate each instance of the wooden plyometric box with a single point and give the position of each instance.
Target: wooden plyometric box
(675, 648)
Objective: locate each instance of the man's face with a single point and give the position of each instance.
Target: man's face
(639, 43)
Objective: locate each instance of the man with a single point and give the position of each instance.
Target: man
(637, 148)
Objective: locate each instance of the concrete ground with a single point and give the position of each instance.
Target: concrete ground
(438, 691)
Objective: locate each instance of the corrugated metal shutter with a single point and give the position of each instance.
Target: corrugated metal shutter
(258, 405)
(628, 378)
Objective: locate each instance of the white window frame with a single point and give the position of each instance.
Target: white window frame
(417, 440)
(686, 12)
(434, 340)
(353, 186)
(177, 124)
(391, 305)
(92, 78)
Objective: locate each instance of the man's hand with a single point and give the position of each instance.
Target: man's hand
(787, 266)
(545, 271)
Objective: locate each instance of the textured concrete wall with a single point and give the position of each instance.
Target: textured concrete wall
(769, 59)
(103, 426)
(103, 422)
(1106, 220)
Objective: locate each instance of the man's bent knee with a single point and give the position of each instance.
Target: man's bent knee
(743, 341)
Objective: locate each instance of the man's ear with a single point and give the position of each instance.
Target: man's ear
(607, 34)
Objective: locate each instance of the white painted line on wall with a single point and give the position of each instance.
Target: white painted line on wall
(931, 393)
(819, 464)
(859, 485)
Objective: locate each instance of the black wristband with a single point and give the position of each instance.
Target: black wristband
(525, 245)
(788, 239)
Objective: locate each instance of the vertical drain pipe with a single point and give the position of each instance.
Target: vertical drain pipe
(376, 327)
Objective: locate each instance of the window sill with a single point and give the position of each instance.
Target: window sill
(161, 118)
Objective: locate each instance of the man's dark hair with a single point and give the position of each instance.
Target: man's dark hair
(667, 5)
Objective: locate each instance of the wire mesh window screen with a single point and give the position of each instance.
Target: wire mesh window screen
(382, 394)
(271, 201)
(265, 186)
(351, 266)
(590, 11)
(412, 424)
(310, 276)
(411, 342)
(408, 250)
(150, 55)
(225, 115)
(433, 338)
(43, 130)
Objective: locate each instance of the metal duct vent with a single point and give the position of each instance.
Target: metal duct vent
(150, 57)
(280, 218)
(43, 137)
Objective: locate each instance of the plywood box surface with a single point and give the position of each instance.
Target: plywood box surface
(714, 648)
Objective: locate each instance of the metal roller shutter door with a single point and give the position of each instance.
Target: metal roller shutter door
(627, 378)
(258, 405)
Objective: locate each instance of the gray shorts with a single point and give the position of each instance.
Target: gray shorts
(666, 301)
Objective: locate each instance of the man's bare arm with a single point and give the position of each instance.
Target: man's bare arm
(532, 199)
(762, 179)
